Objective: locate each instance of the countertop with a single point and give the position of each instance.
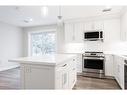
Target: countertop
(120, 54)
(51, 60)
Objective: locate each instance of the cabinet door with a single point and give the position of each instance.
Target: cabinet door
(88, 26)
(121, 76)
(58, 79)
(37, 77)
(116, 68)
(72, 73)
(65, 79)
(119, 70)
(98, 25)
(109, 65)
(69, 33)
(78, 31)
(61, 81)
(118, 73)
(79, 63)
(111, 31)
(124, 27)
(94, 25)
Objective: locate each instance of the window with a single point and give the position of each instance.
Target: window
(43, 43)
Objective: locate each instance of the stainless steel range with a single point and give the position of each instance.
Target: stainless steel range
(93, 64)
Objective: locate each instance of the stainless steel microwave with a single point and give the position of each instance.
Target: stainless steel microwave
(93, 35)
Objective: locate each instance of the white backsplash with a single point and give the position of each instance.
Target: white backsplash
(115, 47)
(93, 46)
(119, 47)
(74, 48)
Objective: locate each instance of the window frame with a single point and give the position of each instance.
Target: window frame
(37, 32)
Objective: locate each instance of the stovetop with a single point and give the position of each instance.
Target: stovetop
(93, 54)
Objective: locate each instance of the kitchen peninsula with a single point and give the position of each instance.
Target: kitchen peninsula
(56, 71)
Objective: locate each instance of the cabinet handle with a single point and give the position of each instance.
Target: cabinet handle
(28, 70)
(64, 65)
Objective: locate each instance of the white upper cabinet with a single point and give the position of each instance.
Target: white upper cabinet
(111, 30)
(73, 32)
(124, 27)
(69, 32)
(78, 30)
(93, 25)
(98, 25)
(88, 26)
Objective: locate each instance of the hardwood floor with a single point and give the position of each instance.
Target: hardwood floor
(10, 79)
(95, 83)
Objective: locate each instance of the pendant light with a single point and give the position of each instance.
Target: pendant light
(59, 15)
(60, 18)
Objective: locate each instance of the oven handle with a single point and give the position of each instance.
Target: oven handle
(93, 58)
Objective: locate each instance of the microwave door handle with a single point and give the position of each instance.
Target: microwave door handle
(99, 35)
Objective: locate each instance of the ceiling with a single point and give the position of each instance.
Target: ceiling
(16, 15)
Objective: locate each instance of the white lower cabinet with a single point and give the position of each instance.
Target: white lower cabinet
(114, 66)
(119, 70)
(72, 74)
(62, 76)
(121, 76)
(66, 76)
(61, 81)
(79, 63)
(109, 69)
(37, 77)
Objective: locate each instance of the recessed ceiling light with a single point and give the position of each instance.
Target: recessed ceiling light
(28, 20)
(44, 11)
(107, 9)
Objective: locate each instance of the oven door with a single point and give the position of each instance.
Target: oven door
(90, 35)
(93, 64)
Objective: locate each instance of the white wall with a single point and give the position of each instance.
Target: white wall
(28, 30)
(10, 45)
(122, 46)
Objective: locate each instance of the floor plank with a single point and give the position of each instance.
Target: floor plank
(95, 83)
(10, 79)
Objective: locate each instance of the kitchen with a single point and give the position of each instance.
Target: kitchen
(65, 50)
